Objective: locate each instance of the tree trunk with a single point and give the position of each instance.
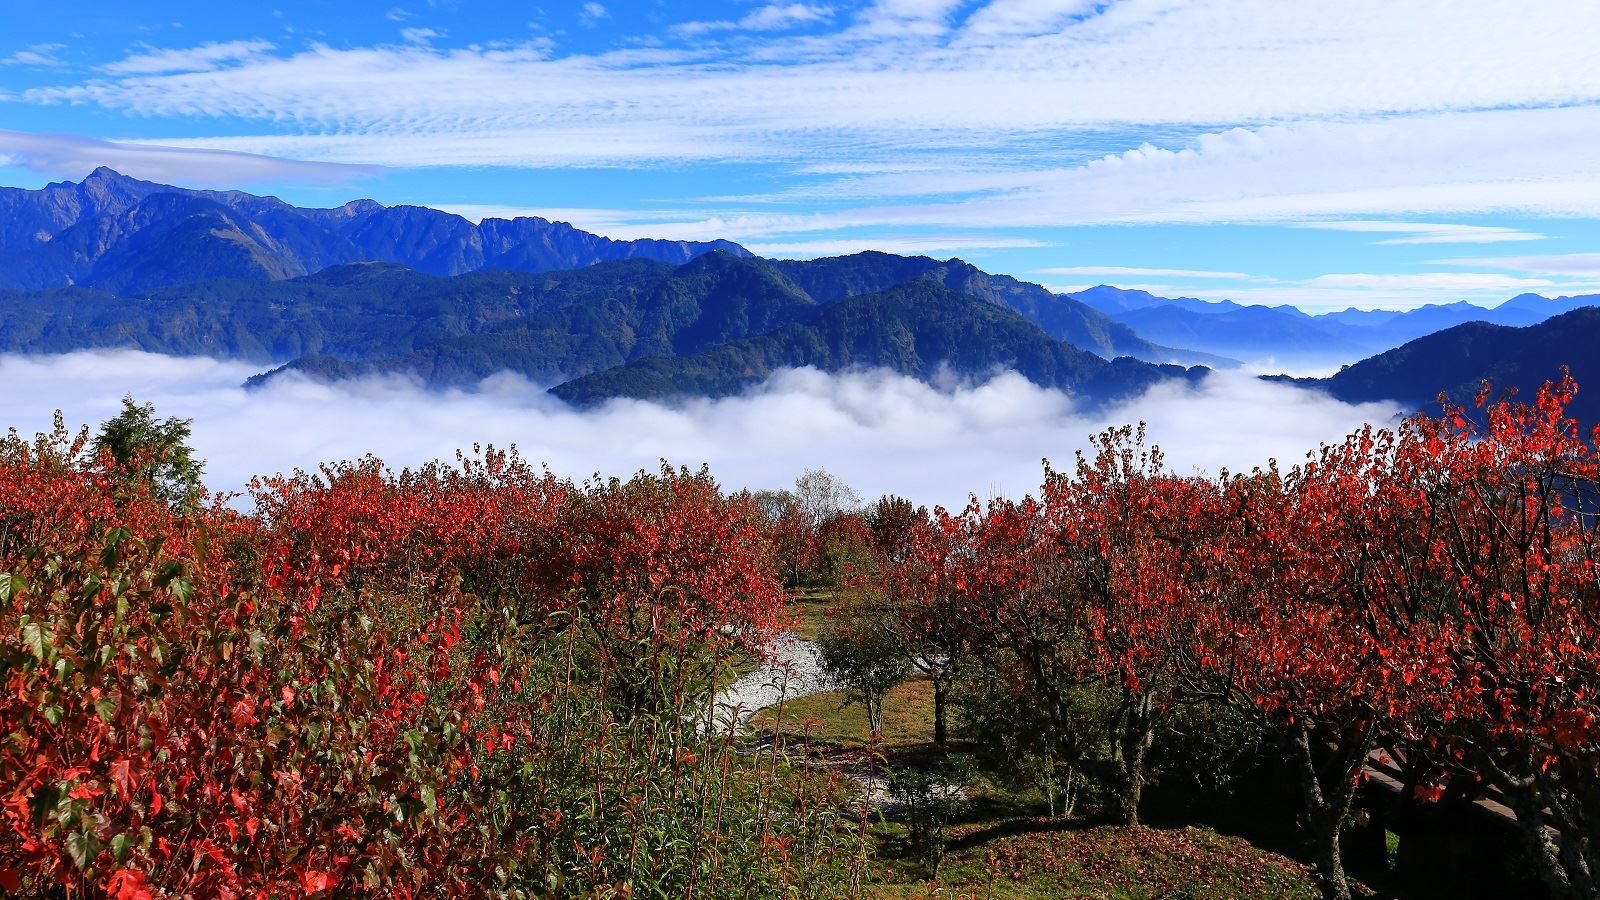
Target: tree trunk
(941, 691)
(1131, 744)
(1572, 812)
(1541, 843)
(1328, 808)
(875, 716)
(1069, 792)
(1325, 831)
(1129, 790)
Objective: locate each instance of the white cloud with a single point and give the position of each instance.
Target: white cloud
(592, 14)
(42, 55)
(1555, 264)
(772, 17)
(1138, 271)
(204, 58)
(1011, 18)
(880, 432)
(928, 245)
(73, 156)
(1536, 162)
(903, 18)
(850, 94)
(420, 35)
(1244, 111)
(1431, 233)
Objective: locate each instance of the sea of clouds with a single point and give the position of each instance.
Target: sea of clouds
(880, 432)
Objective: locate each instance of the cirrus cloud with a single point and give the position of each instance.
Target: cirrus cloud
(74, 156)
(204, 58)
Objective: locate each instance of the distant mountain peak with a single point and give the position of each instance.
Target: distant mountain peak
(361, 207)
(106, 173)
(267, 239)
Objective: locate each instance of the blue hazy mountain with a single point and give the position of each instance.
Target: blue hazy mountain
(708, 328)
(1456, 361)
(1292, 337)
(366, 289)
(124, 235)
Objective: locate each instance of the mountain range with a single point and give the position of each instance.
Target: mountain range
(128, 236)
(366, 289)
(1290, 337)
(1456, 361)
(630, 329)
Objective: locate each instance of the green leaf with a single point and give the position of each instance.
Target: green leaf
(168, 572)
(43, 802)
(83, 848)
(119, 845)
(54, 714)
(106, 709)
(430, 800)
(114, 537)
(37, 640)
(183, 589)
(10, 586)
(407, 807)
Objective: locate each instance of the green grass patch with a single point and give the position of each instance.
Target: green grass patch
(907, 717)
(809, 607)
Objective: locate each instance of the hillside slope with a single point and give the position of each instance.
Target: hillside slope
(1457, 360)
(920, 329)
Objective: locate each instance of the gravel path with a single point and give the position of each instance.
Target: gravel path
(796, 671)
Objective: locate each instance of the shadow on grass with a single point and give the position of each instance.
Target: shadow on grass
(1014, 827)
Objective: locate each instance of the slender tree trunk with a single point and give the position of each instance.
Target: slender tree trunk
(875, 716)
(941, 691)
(1328, 808)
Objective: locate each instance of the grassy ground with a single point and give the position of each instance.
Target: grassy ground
(810, 607)
(907, 718)
(999, 849)
(1033, 860)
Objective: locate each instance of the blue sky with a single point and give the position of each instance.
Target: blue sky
(1328, 155)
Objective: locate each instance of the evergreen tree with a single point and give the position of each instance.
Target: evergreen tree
(155, 451)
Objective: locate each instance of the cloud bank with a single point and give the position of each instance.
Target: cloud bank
(74, 156)
(881, 432)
